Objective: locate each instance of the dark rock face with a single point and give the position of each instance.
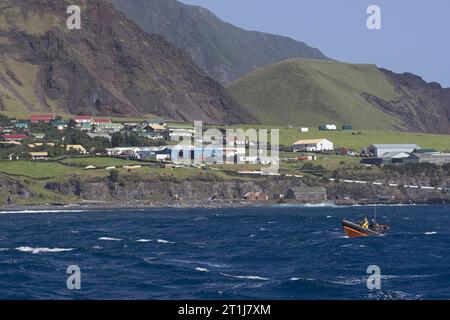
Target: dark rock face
(111, 67)
(164, 190)
(13, 189)
(222, 50)
(424, 107)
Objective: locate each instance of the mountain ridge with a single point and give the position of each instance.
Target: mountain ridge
(223, 51)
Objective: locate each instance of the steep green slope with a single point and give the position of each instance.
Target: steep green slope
(222, 50)
(312, 92)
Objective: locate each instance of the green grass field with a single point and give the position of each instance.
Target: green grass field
(342, 138)
(36, 169)
(313, 92)
(100, 162)
(368, 137)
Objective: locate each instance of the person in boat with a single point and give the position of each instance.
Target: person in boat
(365, 223)
(374, 225)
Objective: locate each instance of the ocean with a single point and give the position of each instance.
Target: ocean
(279, 252)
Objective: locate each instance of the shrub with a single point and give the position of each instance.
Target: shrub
(113, 176)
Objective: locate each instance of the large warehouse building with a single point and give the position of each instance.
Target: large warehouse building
(380, 150)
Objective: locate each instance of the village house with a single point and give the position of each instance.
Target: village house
(13, 137)
(307, 194)
(189, 153)
(85, 126)
(76, 147)
(156, 131)
(39, 155)
(124, 152)
(42, 118)
(21, 125)
(343, 151)
(14, 143)
(177, 134)
(38, 136)
(131, 126)
(97, 121)
(155, 121)
(154, 153)
(60, 125)
(313, 145)
(83, 119)
(108, 127)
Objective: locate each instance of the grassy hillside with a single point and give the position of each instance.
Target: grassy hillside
(313, 92)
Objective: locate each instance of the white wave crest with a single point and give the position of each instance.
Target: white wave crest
(109, 239)
(246, 277)
(202, 269)
(42, 250)
(43, 211)
(164, 241)
(144, 240)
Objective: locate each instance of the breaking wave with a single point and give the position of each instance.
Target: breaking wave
(42, 250)
(109, 239)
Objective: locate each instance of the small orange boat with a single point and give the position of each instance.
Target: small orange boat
(354, 230)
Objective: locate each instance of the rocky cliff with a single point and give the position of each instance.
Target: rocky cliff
(208, 189)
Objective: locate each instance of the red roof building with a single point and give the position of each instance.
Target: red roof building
(14, 137)
(102, 121)
(42, 118)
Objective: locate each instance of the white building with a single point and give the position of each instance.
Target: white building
(84, 120)
(313, 145)
(177, 133)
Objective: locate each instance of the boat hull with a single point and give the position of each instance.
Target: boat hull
(353, 230)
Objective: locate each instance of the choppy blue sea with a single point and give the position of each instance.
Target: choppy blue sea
(248, 253)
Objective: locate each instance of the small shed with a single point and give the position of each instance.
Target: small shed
(343, 151)
(348, 127)
(307, 194)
